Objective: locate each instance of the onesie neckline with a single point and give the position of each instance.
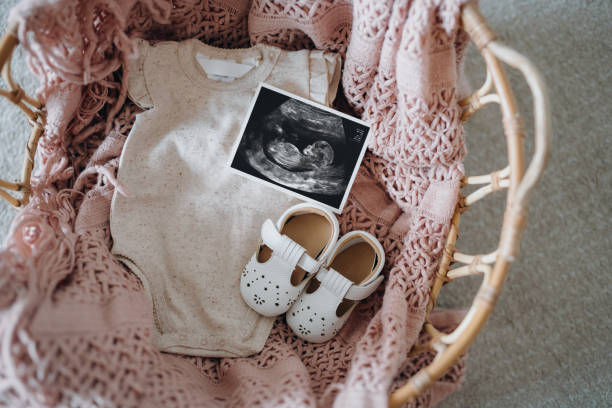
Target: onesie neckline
(187, 60)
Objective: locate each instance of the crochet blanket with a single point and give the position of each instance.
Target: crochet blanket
(75, 326)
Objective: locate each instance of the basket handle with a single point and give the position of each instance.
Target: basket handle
(32, 108)
(450, 347)
(542, 135)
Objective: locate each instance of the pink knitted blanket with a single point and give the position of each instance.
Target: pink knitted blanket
(75, 326)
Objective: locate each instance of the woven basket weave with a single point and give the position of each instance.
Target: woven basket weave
(516, 178)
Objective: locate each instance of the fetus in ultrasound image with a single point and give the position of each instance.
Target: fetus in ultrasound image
(303, 148)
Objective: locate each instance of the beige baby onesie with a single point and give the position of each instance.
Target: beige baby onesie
(190, 224)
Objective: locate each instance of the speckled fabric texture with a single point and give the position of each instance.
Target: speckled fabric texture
(201, 220)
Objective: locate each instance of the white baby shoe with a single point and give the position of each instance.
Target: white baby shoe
(290, 253)
(351, 274)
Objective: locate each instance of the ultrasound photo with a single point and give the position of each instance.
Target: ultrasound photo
(303, 148)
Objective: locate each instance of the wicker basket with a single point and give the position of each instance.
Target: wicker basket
(515, 178)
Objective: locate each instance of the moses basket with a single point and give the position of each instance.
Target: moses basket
(518, 178)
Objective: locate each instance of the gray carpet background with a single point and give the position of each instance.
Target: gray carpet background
(14, 128)
(547, 342)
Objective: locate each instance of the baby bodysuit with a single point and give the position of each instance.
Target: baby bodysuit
(189, 224)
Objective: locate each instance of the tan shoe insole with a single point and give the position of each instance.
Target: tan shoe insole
(311, 231)
(356, 263)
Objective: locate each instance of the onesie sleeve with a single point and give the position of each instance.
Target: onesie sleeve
(137, 85)
(324, 71)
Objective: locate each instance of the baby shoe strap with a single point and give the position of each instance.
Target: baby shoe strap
(286, 248)
(307, 263)
(343, 287)
(361, 292)
(335, 282)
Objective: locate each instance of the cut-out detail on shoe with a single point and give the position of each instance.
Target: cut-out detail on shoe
(359, 263)
(311, 231)
(289, 254)
(352, 273)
